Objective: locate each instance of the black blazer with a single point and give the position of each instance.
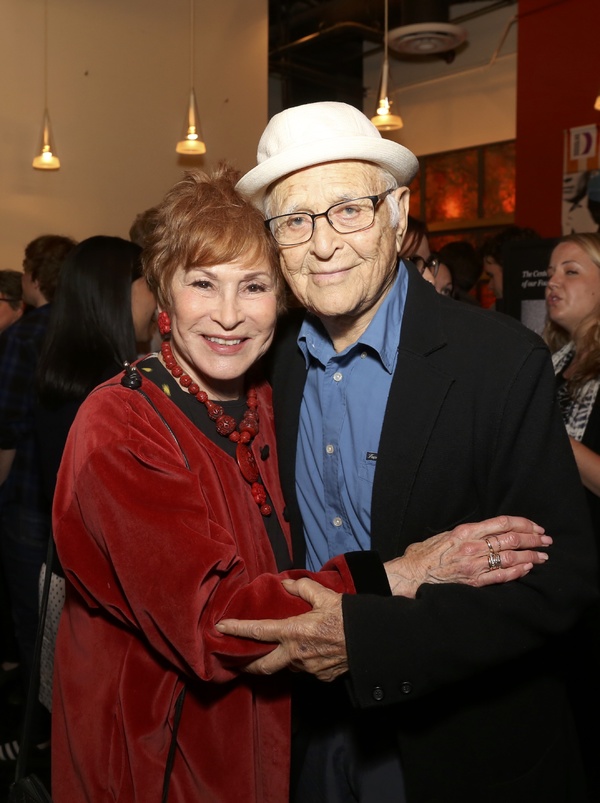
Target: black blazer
(466, 675)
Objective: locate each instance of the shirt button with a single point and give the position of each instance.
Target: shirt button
(406, 687)
(337, 522)
(330, 449)
(363, 355)
(378, 693)
(337, 376)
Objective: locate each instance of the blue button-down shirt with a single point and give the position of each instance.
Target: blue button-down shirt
(340, 426)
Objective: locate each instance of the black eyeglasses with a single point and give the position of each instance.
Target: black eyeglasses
(345, 217)
(432, 264)
(10, 300)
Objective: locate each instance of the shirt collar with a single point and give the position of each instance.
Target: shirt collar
(381, 334)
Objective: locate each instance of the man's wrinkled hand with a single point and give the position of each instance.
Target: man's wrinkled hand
(312, 642)
(462, 555)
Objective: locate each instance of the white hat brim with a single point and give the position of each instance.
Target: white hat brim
(391, 156)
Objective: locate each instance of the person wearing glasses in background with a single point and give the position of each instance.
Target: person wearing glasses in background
(415, 246)
(11, 298)
(444, 282)
(401, 414)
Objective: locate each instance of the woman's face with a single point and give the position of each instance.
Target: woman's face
(222, 322)
(443, 280)
(573, 289)
(425, 251)
(143, 308)
(493, 271)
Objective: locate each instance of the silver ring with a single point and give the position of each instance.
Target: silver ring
(498, 547)
(489, 545)
(494, 561)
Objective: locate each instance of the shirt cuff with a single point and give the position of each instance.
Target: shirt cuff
(368, 573)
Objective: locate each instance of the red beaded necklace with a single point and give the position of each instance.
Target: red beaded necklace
(242, 435)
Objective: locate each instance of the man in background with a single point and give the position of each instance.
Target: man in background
(24, 521)
(11, 298)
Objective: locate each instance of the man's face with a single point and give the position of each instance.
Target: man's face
(340, 276)
(574, 185)
(8, 314)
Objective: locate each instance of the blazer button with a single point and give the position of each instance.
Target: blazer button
(406, 687)
(378, 693)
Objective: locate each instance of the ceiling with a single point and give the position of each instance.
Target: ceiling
(317, 47)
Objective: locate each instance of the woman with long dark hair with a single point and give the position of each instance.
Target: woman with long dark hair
(102, 309)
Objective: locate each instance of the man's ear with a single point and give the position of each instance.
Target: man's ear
(402, 196)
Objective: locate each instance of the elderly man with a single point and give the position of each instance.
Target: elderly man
(400, 414)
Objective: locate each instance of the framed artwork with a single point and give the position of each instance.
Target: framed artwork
(581, 180)
(467, 193)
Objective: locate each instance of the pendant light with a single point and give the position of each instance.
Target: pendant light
(384, 120)
(191, 142)
(46, 158)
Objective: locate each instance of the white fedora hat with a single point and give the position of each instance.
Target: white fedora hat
(314, 133)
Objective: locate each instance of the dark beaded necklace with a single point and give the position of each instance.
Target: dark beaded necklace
(242, 435)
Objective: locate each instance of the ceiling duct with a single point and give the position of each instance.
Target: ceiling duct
(426, 29)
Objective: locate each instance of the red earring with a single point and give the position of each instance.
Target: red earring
(164, 323)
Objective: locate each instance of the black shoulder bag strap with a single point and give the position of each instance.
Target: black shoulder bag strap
(171, 756)
(34, 680)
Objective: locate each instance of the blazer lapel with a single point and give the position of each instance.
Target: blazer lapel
(288, 378)
(416, 395)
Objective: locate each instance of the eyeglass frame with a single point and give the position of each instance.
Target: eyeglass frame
(375, 200)
(11, 300)
(432, 264)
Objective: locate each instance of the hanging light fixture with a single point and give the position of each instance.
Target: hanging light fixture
(384, 120)
(46, 158)
(191, 142)
(597, 103)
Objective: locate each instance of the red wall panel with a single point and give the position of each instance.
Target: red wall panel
(557, 84)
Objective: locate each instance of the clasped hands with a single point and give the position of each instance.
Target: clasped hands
(314, 642)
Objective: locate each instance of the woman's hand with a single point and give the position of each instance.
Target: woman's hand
(479, 554)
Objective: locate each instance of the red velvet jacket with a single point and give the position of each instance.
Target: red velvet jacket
(156, 553)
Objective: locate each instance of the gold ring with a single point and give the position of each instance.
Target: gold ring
(494, 561)
(498, 545)
(489, 545)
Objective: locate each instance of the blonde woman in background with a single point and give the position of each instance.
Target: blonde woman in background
(573, 334)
